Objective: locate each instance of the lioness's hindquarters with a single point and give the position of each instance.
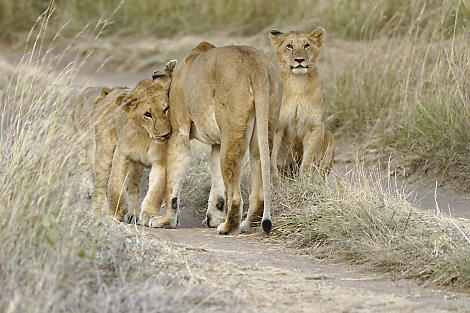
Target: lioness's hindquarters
(227, 97)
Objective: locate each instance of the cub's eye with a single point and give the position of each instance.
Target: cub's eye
(166, 110)
(306, 46)
(290, 47)
(147, 114)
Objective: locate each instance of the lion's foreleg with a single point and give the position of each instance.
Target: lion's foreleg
(102, 169)
(176, 164)
(121, 171)
(155, 193)
(133, 194)
(312, 146)
(275, 154)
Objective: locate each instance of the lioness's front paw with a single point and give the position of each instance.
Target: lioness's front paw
(144, 219)
(160, 222)
(225, 229)
(244, 226)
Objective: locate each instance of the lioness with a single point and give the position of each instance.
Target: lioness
(227, 97)
(131, 132)
(301, 137)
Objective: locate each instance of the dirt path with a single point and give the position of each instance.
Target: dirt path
(281, 280)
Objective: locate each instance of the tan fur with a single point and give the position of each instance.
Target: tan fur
(126, 141)
(301, 137)
(229, 98)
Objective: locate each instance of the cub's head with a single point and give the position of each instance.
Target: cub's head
(147, 104)
(297, 52)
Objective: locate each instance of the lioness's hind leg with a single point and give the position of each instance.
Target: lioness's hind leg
(255, 211)
(133, 195)
(231, 157)
(216, 212)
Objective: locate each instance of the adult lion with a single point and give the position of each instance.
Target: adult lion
(227, 97)
(301, 137)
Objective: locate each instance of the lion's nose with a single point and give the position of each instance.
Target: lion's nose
(300, 60)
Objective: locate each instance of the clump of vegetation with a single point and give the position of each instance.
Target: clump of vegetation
(360, 220)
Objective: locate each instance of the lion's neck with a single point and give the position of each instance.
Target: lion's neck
(302, 86)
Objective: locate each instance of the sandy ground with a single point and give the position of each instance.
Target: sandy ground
(276, 279)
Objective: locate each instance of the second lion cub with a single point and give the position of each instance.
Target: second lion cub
(131, 131)
(301, 137)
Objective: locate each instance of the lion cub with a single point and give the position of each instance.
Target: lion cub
(131, 132)
(301, 137)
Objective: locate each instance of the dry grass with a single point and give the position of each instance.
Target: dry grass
(347, 19)
(364, 218)
(408, 100)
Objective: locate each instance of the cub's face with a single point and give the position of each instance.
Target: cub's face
(147, 105)
(297, 52)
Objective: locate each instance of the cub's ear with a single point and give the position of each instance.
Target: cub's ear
(318, 36)
(105, 91)
(167, 72)
(276, 37)
(124, 103)
(170, 66)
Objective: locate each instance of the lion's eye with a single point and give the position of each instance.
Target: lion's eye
(166, 110)
(306, 46)
(290, 47)
(147, 114)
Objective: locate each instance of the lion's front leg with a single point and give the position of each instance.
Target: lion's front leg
(120, 172)
(312, 146)
(176, 163)
(153, 199)
(133, 195)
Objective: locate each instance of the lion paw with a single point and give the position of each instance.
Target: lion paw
(224, 229)
(160, 222)
(244, 226)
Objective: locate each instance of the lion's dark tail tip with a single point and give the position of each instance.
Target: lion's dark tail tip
(267, 226)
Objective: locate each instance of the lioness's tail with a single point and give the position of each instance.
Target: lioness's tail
(261, 97)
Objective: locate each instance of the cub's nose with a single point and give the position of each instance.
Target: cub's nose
(299, 60)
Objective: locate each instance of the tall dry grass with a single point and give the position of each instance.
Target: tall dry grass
(365, 218)
(408, 98)
(364, 19)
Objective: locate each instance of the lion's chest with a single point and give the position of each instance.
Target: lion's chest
(139, 148)
(299, 116)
